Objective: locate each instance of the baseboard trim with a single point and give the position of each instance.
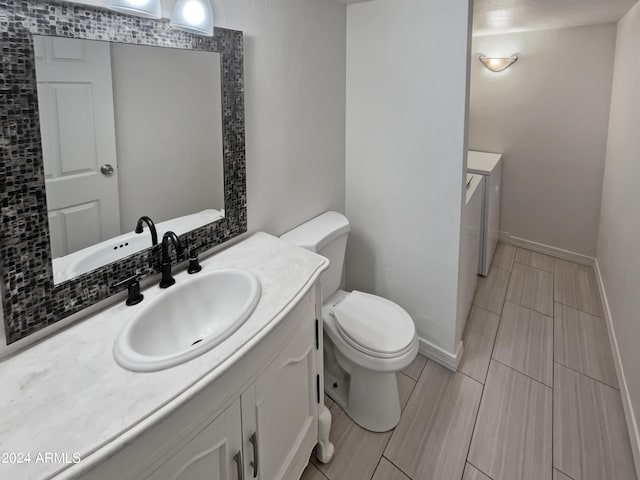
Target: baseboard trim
(556, 252)
(629, 414)
(438, 355)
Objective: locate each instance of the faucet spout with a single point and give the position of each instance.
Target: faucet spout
(167, 277)
(152, 229)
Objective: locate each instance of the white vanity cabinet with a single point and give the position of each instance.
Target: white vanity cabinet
(215, 453)
(258, 420)
(280, 409)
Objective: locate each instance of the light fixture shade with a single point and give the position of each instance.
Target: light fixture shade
(141, 8)
(193, 16)
(498, 64)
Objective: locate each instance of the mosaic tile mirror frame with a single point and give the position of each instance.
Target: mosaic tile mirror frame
(31, 300)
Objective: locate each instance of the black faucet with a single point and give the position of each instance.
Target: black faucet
(167, 279)
(152, 228)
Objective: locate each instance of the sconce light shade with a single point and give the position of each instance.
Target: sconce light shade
(498, 64)
(141, 8)
(193, 16)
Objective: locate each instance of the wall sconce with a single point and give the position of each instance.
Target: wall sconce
(498, 64)
(140, 8)
(193, 16)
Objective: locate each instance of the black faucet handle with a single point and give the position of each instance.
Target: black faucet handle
(194, 262)
(195, 251)
(134, 296)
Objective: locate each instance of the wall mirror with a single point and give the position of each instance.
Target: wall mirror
(126, 130)
(106, 118)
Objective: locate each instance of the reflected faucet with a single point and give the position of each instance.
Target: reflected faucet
(167, 278)
(152, 228)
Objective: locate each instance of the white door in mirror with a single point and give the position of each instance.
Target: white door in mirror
(187, 320)
(75, 99)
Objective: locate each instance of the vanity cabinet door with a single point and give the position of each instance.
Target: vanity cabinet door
(279, 411)
(213, 454)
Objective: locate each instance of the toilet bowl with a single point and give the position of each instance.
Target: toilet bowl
(368, 339)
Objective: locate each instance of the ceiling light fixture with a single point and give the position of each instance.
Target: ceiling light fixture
(498, 64)
(140, 8)
(193, 16)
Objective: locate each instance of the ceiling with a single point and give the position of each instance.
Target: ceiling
(501, 16)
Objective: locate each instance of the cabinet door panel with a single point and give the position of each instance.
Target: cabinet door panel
(281, 408)
(209, 454)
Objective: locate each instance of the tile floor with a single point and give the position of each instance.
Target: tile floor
(535, 397)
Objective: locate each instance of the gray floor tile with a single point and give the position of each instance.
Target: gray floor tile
(415, 369)
(492, 290)
(478, 338)
(576, 285)
(328, 401)
(590, 433)
(433, 436)
(534, 259)
(558, 475)
(312, 473)
(582, 343)
(513, 433)
(405, 387)
(531, 288)
(525, 342)
(387, 471)
(472, 473)
(503, 258)
(357, 451)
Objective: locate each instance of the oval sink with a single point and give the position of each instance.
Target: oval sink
(187, 320)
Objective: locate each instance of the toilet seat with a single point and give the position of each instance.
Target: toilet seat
(374, 325)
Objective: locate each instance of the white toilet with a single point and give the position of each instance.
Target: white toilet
(367, 338)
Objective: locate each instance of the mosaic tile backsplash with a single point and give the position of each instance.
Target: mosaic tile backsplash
(31, 300)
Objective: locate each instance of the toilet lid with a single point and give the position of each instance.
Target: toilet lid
(374, 324)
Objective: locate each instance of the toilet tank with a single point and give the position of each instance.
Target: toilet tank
(327, 236)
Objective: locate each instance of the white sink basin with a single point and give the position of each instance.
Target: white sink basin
(107, 252)
(187, 320)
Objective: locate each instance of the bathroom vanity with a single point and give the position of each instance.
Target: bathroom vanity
(251, 407)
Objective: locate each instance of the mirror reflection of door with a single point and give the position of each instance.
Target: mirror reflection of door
(75, 98)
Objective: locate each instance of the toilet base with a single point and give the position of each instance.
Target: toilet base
(370, 398)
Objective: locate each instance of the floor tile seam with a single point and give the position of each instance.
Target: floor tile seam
(480, 470)
(471, 378)
(495, 337)
(534, 268)
(530, 309)
(410, 378)
(617, 389)
(493, 346)
(473, 430)
(320, 471)
(568, 476)
(522, 373)
(531, 266)
(402, 409)
(601, 317)
(373, 474)
(392, 463)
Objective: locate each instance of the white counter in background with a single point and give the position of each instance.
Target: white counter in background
(469, 249)
(489, 165)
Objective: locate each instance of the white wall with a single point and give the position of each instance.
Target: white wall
(294, 59)
(168, 118)
(549, 115)
(619, 235)
(406, 102)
